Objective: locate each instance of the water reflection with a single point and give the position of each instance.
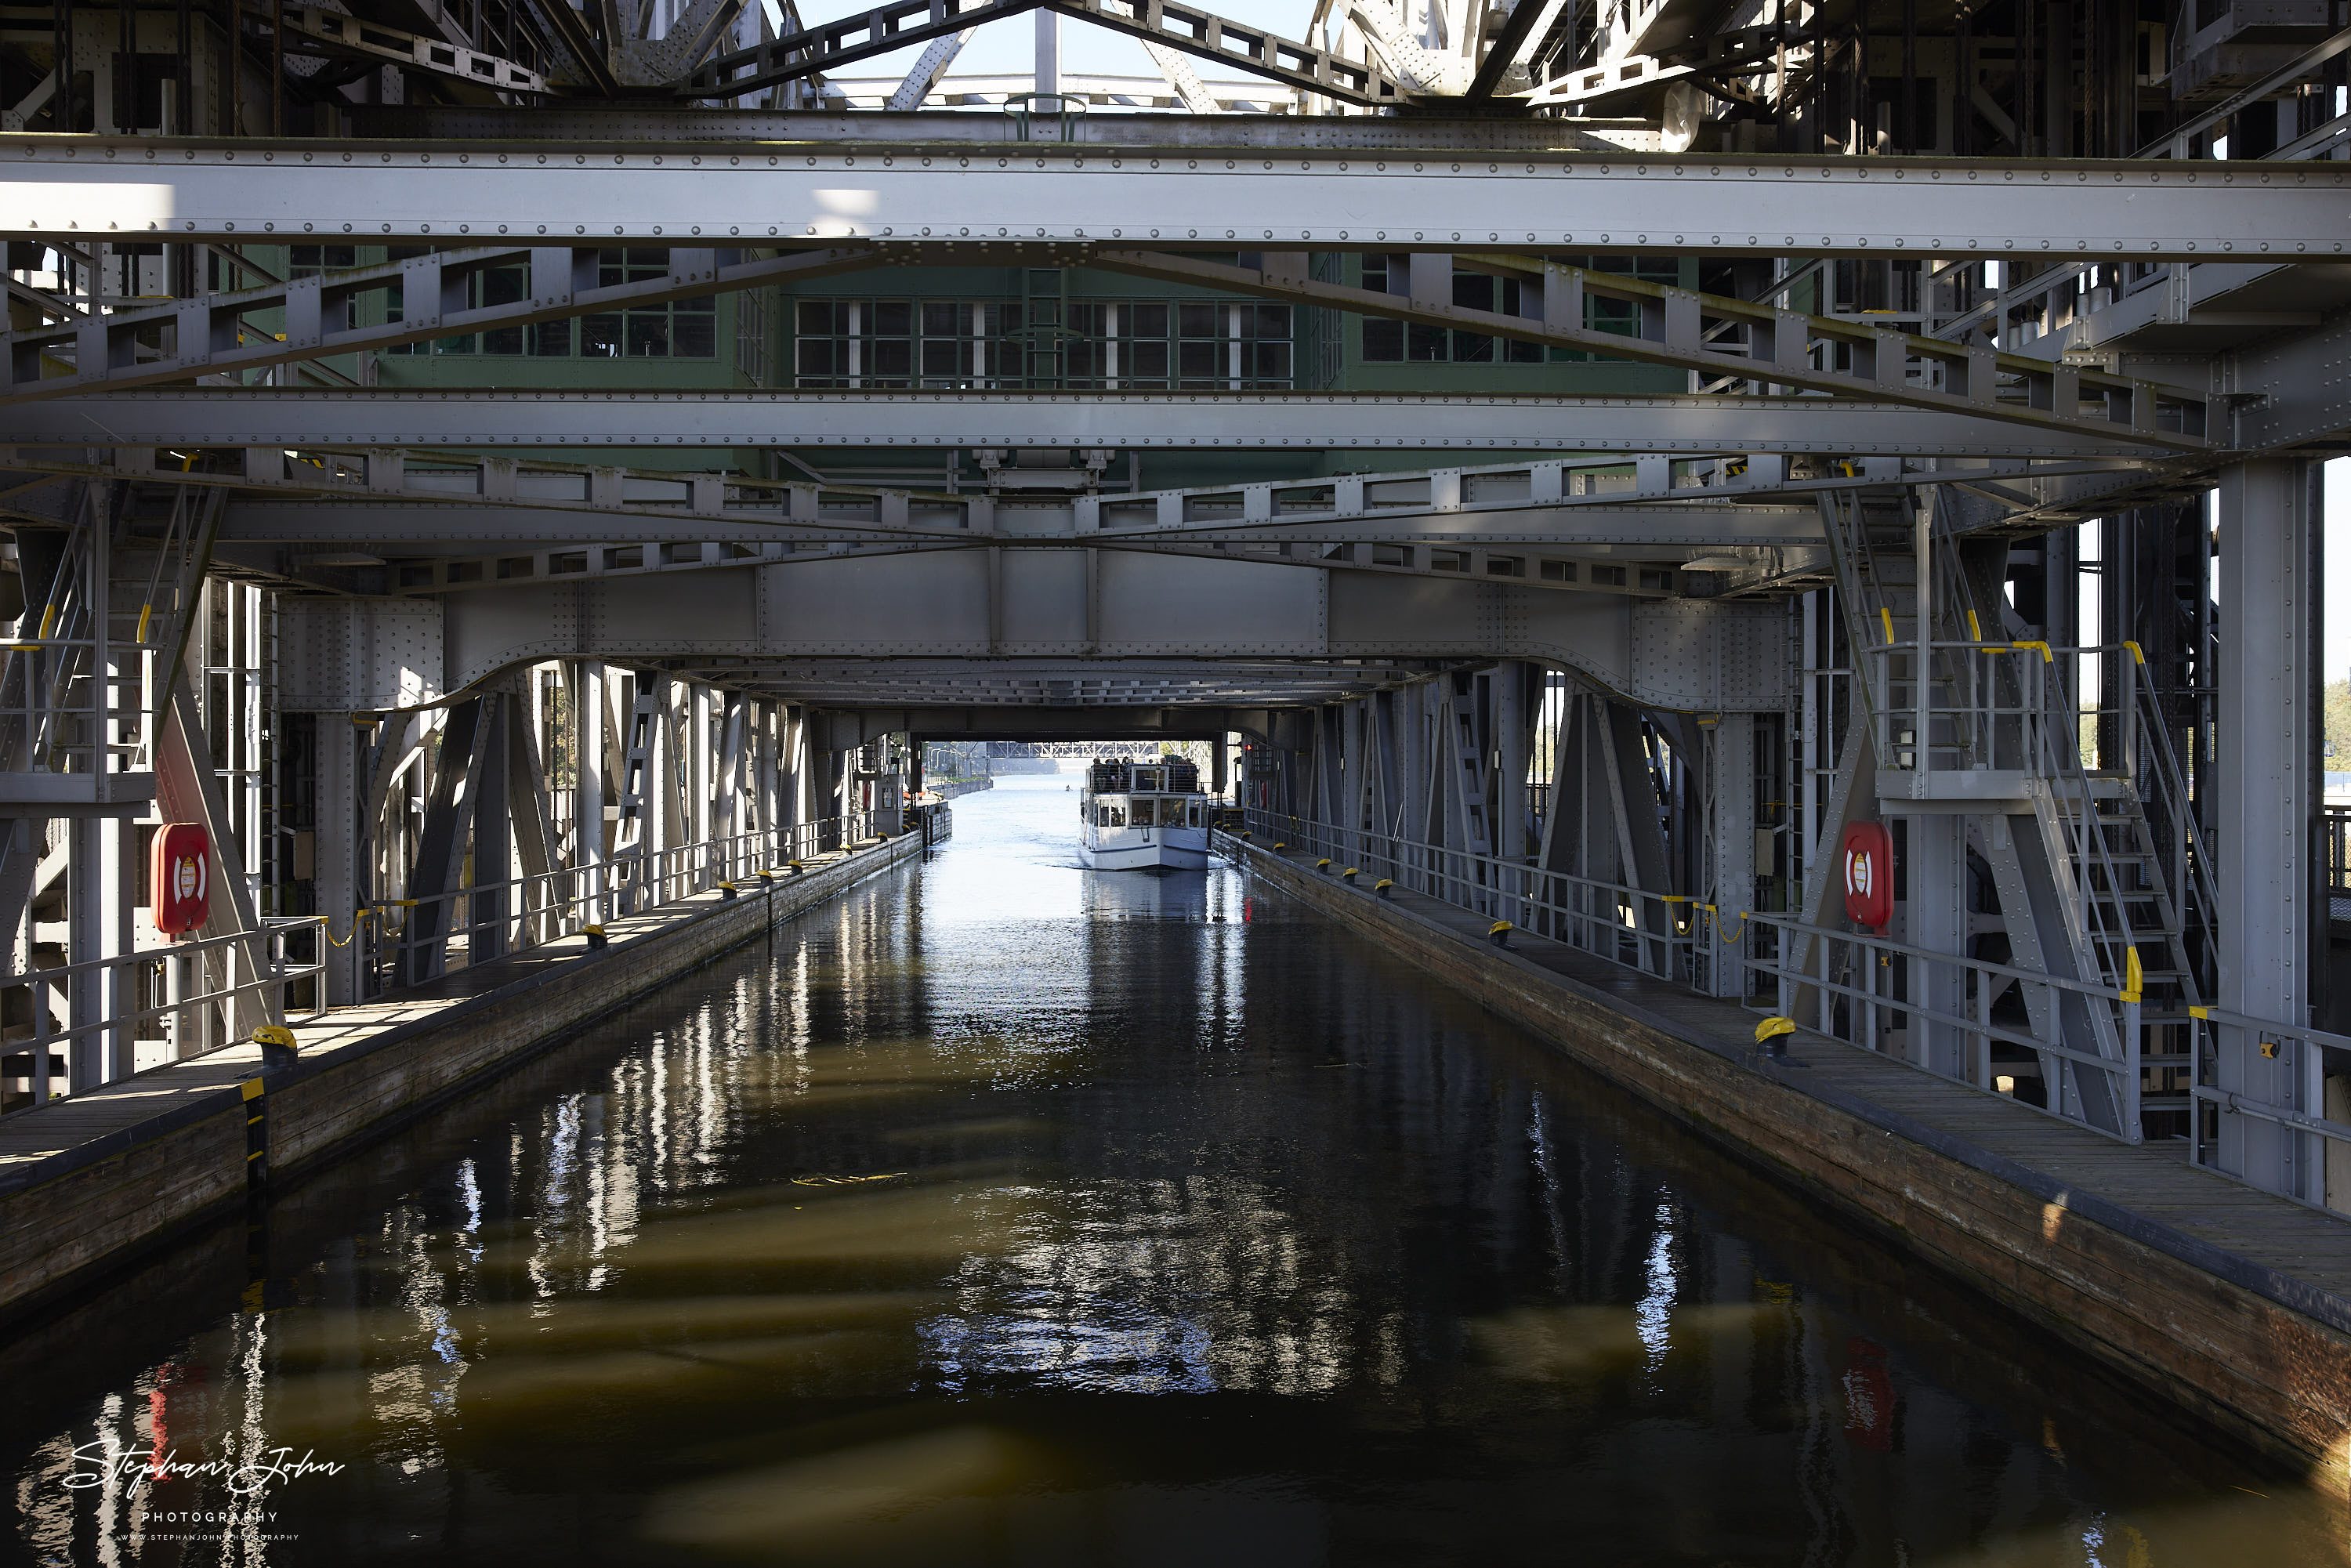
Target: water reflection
(1009, 1212)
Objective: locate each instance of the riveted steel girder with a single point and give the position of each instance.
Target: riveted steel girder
(736, 194)
(357, 418)
(1768, 350)
(1011, 603)
(451, 529)
(436, 499)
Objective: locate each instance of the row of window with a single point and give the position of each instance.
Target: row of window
(1150, 813)
(680, 330)
(1105, 343)
(1535, 568)
(1187, 345)
(1404, 343)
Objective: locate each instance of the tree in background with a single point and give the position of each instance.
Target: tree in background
(2336, 703)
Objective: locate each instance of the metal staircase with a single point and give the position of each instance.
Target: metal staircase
(2089, 889)
(164, 537)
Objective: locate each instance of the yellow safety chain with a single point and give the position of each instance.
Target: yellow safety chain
(358, 916)
(1714, 917)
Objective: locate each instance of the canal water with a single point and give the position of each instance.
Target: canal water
(1008, 1213)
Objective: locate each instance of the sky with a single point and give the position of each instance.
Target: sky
(2337, 547)
(1003, 47)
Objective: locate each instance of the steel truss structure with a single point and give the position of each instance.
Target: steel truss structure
(1754, 453)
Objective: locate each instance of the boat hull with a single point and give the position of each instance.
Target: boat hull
(1148, 857)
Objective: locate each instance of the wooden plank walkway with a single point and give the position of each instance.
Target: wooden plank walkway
(2154, 1181)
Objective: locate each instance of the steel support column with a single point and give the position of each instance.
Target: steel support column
(586, 712)
(2263, 804)
(1510, 685)
(1935, 916)
(1731, 820)
(344, 807)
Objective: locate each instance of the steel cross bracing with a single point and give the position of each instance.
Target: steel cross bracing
(1191, 199)
(886, 28)
(312, 30)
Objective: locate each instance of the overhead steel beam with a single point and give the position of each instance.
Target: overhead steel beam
(1655, 498)
(206, 334)
(1099, 683)
(1568, 564)
(391, 498)
(1671, 326)
(415, 527)
(716, 506)
(1044, 722)
(449, 530)
(356, 419)
(1002, 603)
(751, 194)
(1158, 130)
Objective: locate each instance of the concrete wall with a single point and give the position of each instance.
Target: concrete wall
(71, 1218)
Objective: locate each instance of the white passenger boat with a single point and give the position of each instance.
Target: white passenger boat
(1143, 816)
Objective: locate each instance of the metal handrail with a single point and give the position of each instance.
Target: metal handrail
(2270, 1037)
(559, 902)
(1662, 930)
(275, 973)
(1502, 886)
(1862, 1021)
